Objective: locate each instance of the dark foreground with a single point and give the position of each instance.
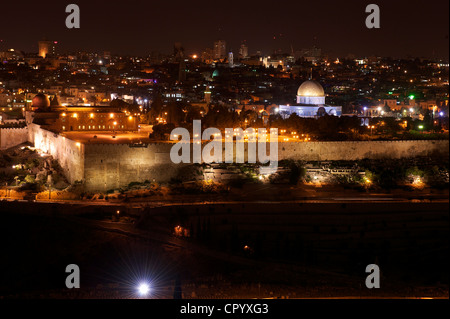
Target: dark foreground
(235, 250)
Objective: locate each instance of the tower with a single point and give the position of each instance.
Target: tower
(243, 51)
(220, 52)
(47, 47)
(230, 59)
(178, 51)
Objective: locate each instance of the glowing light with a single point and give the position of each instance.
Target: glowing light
(418, 182)
(75, 115)
(143, 289)
(111, 115)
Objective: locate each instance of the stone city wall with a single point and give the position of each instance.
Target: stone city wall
(10, 137)
(69, 153)
(109, 166)
(356, 150)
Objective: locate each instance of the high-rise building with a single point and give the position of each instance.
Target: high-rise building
(311, 54)
(220, 51)
(230, 59)
(182, 71)
(178, 51)
(243, 51)
(47, 47)
(207, 55)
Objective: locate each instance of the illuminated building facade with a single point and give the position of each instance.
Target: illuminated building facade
(91, 119)
(310, 102)
(220, 52)
(78, 118)
(47, 47)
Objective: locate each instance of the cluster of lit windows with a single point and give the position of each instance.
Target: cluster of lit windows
(93, 127)
(92, 115)
(116, 125)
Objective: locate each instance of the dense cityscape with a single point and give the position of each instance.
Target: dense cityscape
(410, 89)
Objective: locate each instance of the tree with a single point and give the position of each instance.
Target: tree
(193, 113)
(119, 104)
(220, 117)
(427, 120)
(160, 131)
(175, 114)
(155, 109)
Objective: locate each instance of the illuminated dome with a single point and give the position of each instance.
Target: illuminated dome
(40, 102)
(310, 88)
(311, 93)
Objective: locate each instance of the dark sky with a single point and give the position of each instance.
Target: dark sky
(408, 27)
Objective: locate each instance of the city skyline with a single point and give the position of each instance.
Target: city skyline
(407, 29)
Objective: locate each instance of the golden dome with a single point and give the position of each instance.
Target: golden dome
(40, 101)
(311, 89)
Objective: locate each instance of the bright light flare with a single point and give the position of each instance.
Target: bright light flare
(143, 289)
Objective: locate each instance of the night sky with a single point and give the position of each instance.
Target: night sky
(408, 27)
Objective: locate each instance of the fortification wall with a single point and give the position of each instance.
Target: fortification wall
(356, 150)
(69, 153)
(108, 166)
(10, 137)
